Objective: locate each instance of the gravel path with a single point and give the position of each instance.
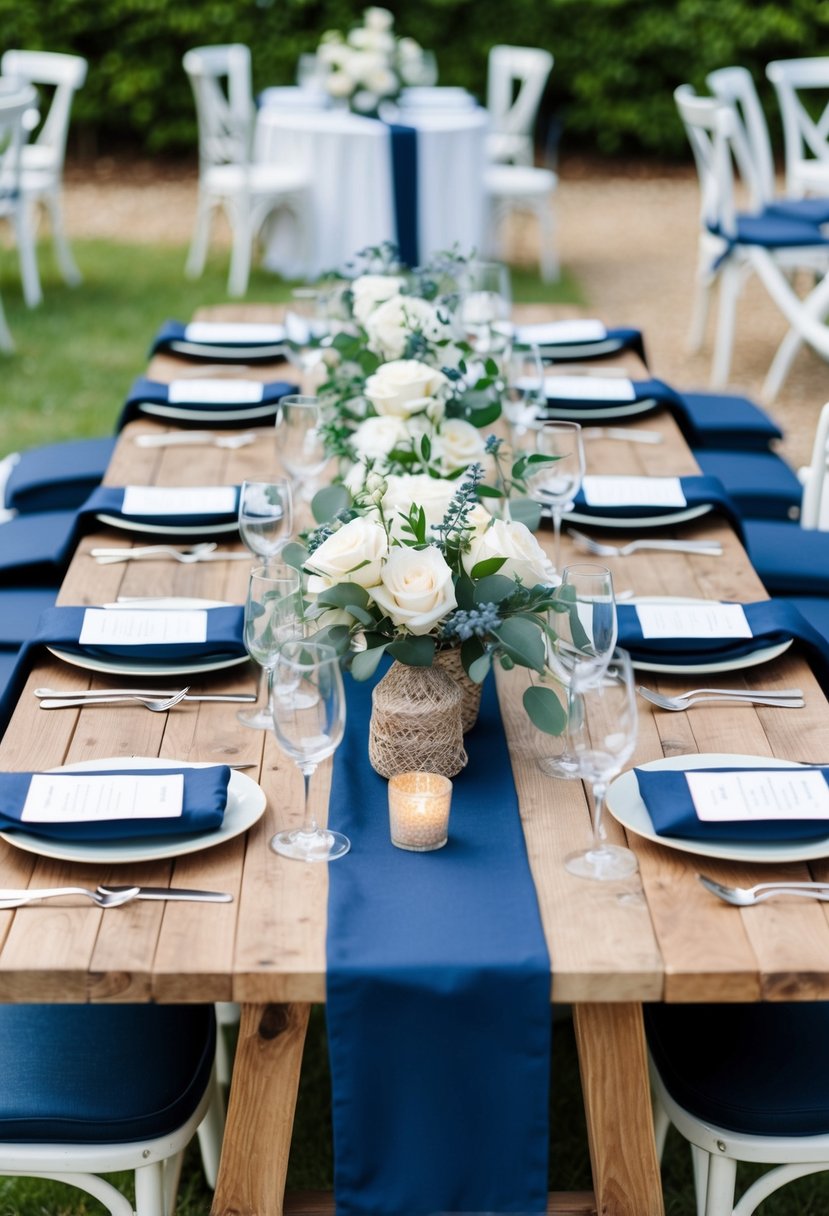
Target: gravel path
(629, 240)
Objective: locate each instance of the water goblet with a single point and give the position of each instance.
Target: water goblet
(273, 614)
(266, 517)
(602, 735)
(485, 306)
(306, 328)
(300, 441)
(585, 640)
(308, 721)
(524, 393)
(555, 484)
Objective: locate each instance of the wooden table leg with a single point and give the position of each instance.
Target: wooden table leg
(260, 1116)
(614, 1078)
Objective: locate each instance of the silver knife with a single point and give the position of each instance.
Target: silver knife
(180, 893)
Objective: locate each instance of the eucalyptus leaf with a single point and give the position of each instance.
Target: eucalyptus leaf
(415, 651)
(365, 662)
(525, 511)
(294, 555)
(344, 595)
(493, 589)
(328, 501)
(490, 565)
(544, 710)
(523, 642)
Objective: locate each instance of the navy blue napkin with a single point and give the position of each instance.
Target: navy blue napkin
(155, 392)
(404, 173)
(614, 341)
(61, 628)
(438, 995)
(109, 500)
(655, 391)
(171, 339)
(698, 491)
(666, 795)
(58, 476)
(205, 799)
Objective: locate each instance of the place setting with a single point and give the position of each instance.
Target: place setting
(217, 400)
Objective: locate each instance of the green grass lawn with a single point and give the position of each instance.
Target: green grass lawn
(76, 357)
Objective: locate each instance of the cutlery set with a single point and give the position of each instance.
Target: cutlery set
(195, 439)
(624, 436)
(745, 897)
(158, 700)
(110, 896)
(784, 698)
(207, 552)
(707, 548)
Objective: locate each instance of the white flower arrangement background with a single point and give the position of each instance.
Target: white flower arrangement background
(370, 64)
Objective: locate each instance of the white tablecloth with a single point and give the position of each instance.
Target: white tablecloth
(349, 161)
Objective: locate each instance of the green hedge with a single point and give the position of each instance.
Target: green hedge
(616, 61)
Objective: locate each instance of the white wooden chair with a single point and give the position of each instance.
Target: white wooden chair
(805, 139)
(734, 245)
(249, 193)
(523, 189)
(814, 512)
(43, 158)
(15, 102)
(516, 79)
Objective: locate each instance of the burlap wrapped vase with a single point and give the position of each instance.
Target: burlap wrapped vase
(416, 723)
(450, 662)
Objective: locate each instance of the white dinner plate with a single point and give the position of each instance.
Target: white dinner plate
(763, 654)
(196, 415)
(626, 806)
(666, 520)
(234, 354)
(123, 667)
(245, 805)
(613, 410)
(576, 350)
(151, 529)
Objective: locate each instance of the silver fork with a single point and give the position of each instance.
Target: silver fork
(620, 433)
(195, 438)
(194, 554)
(110, 899)
(157, 705)
(710, 548)
(744, 897)
(785, 698)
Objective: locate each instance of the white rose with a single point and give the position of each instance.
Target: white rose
(359, 38)
(526, 560)
(340, 84)
(390, 325)
(373, 289)
(374, 438)
(434, 494)
(375, 18)
(381, 81)
(417, 589)
(359, 543)
(459, 444)
(409, 48)
(404, 387)
(478, 519)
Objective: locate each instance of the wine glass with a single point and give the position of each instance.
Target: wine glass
(556, 484)
(266, 517)
(585, 639)
(273, 614)
(300, 439)
(485, 306)
(305, 329)
(602, 736)
(308, 728)
(524, 395)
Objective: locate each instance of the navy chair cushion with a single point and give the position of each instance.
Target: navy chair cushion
(789, 559)
(723, 420)
(36, 548)
(58, 476)
(760, 483)
(101, 1074)
(774, 231)
(20, 608)
(808, 210)
(756, 1069)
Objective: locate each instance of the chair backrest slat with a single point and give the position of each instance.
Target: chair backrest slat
(65, 74)
(527, 67)
(221, 81)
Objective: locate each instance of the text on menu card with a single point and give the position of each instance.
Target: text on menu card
(610, 491)
(588, 388)
(179, 500)
(87, 797)
(751, 794)
(693, 621)
(134, 627)
(215, 392)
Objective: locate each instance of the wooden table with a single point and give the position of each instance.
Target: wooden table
(655, 937)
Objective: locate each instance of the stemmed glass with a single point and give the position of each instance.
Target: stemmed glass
(273, 614)
(524, 392)
(585, 640)
(266, 517)
(301, 445)
(556, 484)
(485, 306)
(305, 328)
(602, 735)
(308, 720)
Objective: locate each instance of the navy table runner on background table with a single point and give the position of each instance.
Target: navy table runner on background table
(405, 188)
(438, 1000)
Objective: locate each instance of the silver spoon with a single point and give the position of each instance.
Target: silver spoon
(744, 897)
(113, 899)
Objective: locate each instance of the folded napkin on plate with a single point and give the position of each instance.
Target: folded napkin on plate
(667, 796)
(569, 341)
(770, 622)
(217, 396)
(570, 396)
(597, 498)
(182, 506)
(207, 634)
(221, 341)
(202, 809)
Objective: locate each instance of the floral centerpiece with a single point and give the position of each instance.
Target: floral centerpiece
(417, 578)
(370, 63)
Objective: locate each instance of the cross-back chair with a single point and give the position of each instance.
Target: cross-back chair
(247, 192)
(516, 79)
(16, 100)
(805, 137)
(734, 244)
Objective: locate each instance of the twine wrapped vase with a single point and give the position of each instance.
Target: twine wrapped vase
(416, 723)
(450, 662)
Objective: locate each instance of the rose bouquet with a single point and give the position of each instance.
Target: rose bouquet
(370, 63)
(412, 577)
